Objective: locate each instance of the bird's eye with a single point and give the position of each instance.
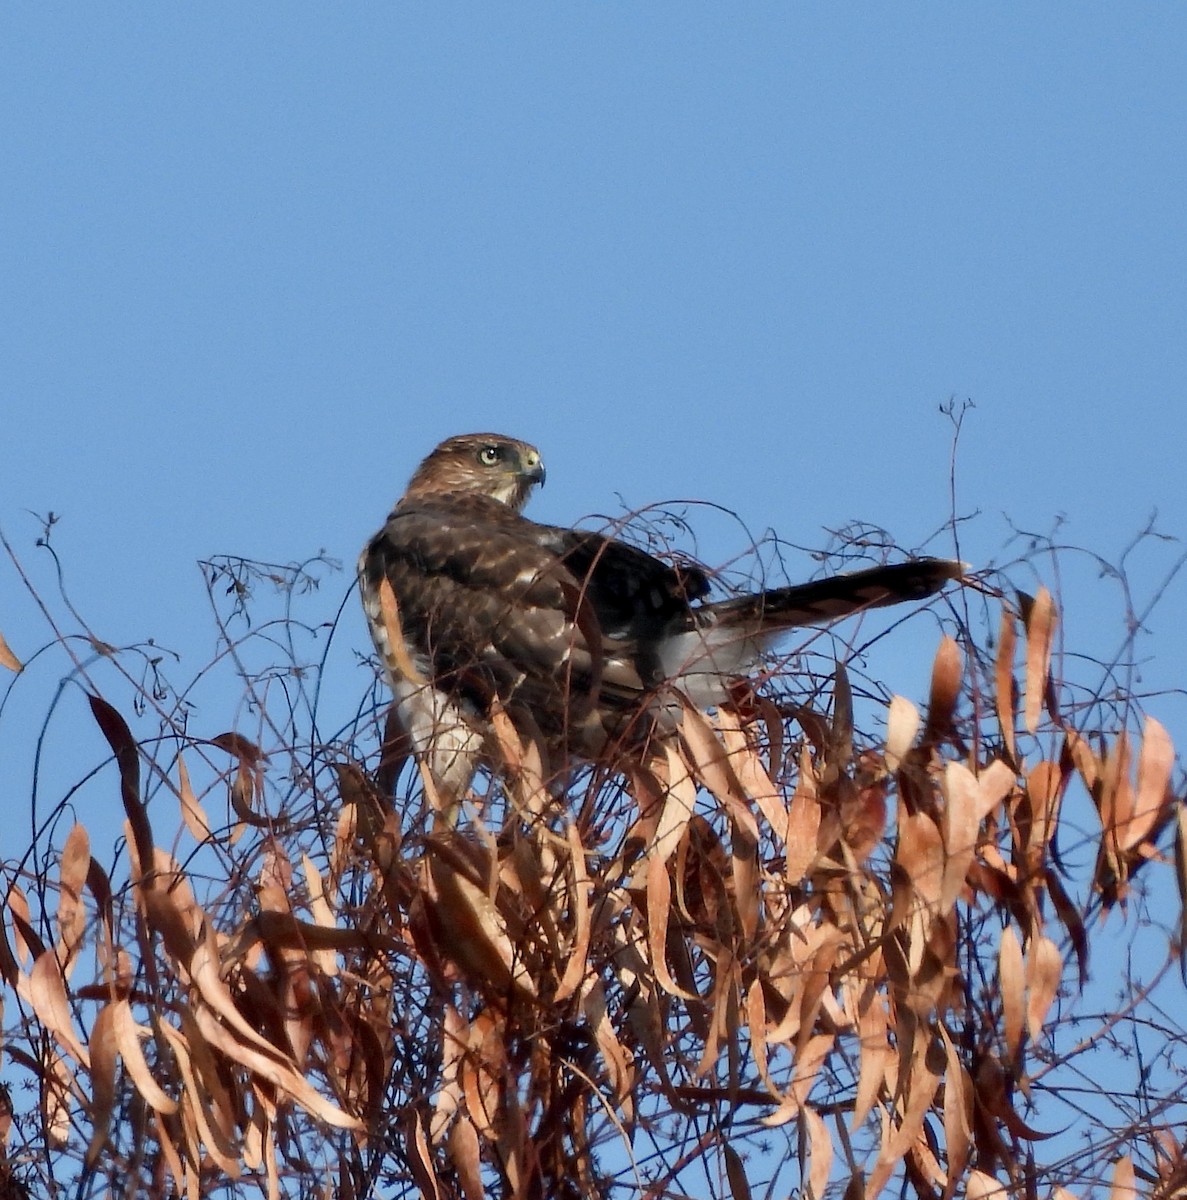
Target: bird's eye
(489, 455)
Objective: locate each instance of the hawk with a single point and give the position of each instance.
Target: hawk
(575, 629)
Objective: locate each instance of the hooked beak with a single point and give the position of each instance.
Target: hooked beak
(533, 470)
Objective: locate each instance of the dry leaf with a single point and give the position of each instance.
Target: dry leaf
(1044, 971)
(103, 1057)
(8, 659)
(1040, 636)
(1012, 985)
(1125, 1184)
(1006, 700)
(192, 812)
(820, 1152)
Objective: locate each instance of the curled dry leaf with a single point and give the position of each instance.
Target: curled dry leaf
(751, 771)
(127, 756)
(103, 1061)
(1124, 1184)
(8, 659)
(958, 1111)
(47, 995)
(465, 1153)
(127, 1037)
(576, 966)
(224, 1152)
(980, 1186)
(1044, 790)
(472, 933)
(72, 875)
(876, 1054)
(961, 820)
(680, 797)
(1044, 970)
(57, 1083)
(323, 915)
(1005, 691)
(803, 821)
(945, 690)
(1012, 986)
(820, 1153)
(920, 855)
(659, 903)
(1156, 760)
(192, 812)
(1040, 617)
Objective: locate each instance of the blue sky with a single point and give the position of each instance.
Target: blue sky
(258, 259)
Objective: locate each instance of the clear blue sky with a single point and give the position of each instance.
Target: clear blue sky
(257, 259)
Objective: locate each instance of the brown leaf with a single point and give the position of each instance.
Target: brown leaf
(875, 1056)
(1040, 617)
(680, 797)
(323, 915)
(8, 659)
(127, 1038)
(811, 1057)
(659, 902)
(920, 854)
(472, 932)
(56, 1090)
(1044, 970)
(1125, 1184)
(1155, 762)
(980, 1186)
(710, 764)
(820, 1152)
(1044, 790)
(958, 1112)
(1005, 692)
(47, 995)
(840, 739)
(72, 874)
(1011, 983)
(735, 1172)
(103, 1056)
(127, 757)
(578, 894)
(945, 691)
(803, 821)
(994, 784)
(192, 812)
(169, 1152)
(466, 1155)
(454, 1043)
(219, 1147)
(961, 821)
(258, 1056)
(751, 772)
(1069, 915)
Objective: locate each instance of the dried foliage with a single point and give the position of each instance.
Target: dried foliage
(823, 940)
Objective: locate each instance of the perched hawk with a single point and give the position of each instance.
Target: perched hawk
(573, 628)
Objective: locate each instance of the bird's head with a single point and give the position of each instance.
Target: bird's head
(486, 464)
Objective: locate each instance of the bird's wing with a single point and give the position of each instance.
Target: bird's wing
(494, 604)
